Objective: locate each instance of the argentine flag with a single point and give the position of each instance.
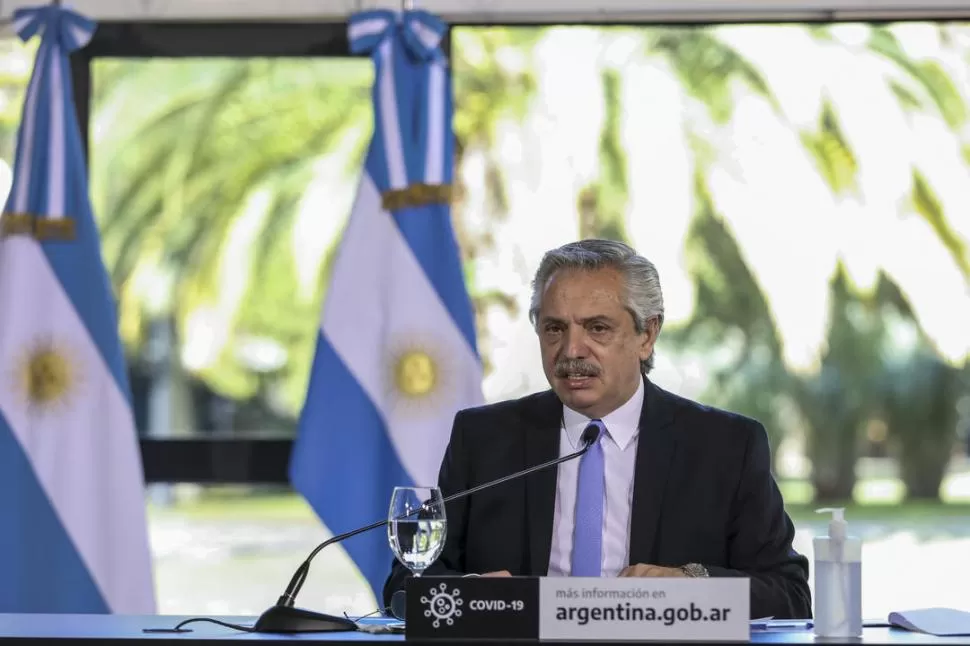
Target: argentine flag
(73, 536)
(396, 357)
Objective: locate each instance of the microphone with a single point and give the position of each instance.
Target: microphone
(285, 618)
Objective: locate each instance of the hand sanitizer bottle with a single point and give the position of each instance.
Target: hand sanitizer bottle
(838, 580)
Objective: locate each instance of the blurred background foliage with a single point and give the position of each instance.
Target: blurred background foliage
(222, 187)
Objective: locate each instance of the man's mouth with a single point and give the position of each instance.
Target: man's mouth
(576, 373)
(578, 380)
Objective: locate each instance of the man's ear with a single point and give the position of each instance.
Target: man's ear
(649, 338)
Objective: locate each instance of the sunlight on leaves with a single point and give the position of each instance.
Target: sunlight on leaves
(831, 152)
(907, 99)
(928, 74)
(928, 206)
(602, 205)
(708, 68)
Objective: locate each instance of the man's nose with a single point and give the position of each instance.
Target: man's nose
(575, 346)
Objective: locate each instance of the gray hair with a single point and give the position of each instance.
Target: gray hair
(644, 298)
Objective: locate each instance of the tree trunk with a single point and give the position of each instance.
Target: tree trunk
(923, 421)
(923, 484)
(922, 468)
(833, 475)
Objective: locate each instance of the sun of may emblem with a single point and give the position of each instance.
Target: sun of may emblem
(46, 376)
(415, 373)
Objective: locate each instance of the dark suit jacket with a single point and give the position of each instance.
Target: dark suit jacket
(703, 493)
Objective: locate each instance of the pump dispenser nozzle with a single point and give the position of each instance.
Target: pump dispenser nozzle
(838, 527)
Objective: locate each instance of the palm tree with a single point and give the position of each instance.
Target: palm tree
(921, 88)
(729, 302)
(713, 74)
(197, 163)
(602, 204)
(707, 67)
(918, 394)
(487, 92)
(730, 305)
(488, 89)
(837, 402)
(225, 156)
(181, 202)
(921, 84)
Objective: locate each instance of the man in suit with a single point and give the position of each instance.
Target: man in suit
(670, 488)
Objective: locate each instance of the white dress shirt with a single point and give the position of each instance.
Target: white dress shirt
(619, 455)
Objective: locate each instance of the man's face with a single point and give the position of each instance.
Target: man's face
(591, 351)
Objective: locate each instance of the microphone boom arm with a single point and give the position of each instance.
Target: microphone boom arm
(284, 617)
(289, 596)
(517, 474)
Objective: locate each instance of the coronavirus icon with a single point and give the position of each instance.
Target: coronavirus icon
(443, 605)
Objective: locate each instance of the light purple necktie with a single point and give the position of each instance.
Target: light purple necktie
(590, 492)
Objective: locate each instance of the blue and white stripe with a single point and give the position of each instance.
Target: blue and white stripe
(397, 285)
(74, 535)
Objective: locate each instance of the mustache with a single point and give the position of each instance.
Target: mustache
(566, 367)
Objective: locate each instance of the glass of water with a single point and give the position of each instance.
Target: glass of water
(416, 526)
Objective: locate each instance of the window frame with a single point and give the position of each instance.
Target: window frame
(210, 459)
(233, 460)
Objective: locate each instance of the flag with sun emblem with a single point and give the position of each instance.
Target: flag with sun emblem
(396, 356)
(73, 534)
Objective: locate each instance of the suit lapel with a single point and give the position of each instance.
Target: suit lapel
(542, 445)
(655, 454)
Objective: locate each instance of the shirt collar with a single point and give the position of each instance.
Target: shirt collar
(622, 424)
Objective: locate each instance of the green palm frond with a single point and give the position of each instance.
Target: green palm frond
(200, 141)
(602, 205)
(491, 91)
(191, 186)
(731, 312)
(708, 68)
(927, 204)
(838, 400)
(929, 76)
(831, 152)
(494, 81)
(820, 32)
(908, 99)
(728, 293)
(888, 294)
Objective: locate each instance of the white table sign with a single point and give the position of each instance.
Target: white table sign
(664, 609)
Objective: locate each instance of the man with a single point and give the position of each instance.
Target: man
(670, 488)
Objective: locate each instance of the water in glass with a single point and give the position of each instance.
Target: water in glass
(417, 526)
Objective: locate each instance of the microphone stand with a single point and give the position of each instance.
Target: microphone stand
(285, 618)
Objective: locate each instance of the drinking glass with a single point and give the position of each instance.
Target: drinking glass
(416, 526)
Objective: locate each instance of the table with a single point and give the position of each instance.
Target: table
(118, 630)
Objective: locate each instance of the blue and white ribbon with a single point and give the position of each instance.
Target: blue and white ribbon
(412, 97)
(73, 30)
